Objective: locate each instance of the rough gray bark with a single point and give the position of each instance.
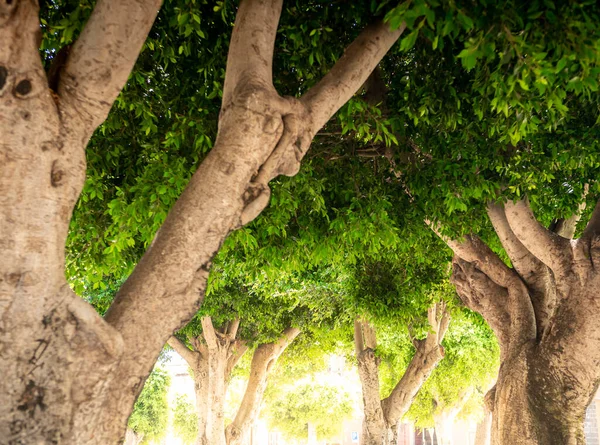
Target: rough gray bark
(381, 416)
(544, 312)
(70, 376)
(264, 358)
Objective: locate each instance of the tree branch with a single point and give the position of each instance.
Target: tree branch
(473, 250)
(359, 343)
(263, 359)
(232, 329)
(252, 44)
(593, 227)
(181, 348)
(349, 73)
(551, 249)
(535, 274)
(209, 333)
(428, 354)
(103, 56)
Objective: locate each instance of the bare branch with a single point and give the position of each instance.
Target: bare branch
(232, 329)
(103, 56)
(263, 359)
(252, 43)
(473, 250)
(209, 333)
(181, 348)
(551, 249)
(349, 73)
(593, 226)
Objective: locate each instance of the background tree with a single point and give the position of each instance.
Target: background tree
(310, 411)
(148, 421)
(457, 386)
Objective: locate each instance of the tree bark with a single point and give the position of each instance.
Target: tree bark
(382, 416)
(264, 358)
(544, 312)
(70, 376)
(212, 359)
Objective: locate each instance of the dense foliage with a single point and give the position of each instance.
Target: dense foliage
(185, 420)
(323, 406)
(150, 413)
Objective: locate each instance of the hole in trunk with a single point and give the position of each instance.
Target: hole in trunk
(23, 88)
(3, 76)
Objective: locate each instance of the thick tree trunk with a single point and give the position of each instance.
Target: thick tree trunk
(544, 313)
(69, 376)
(264, 358)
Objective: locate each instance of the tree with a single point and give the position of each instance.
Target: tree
(150, 413)
(317, 409)
(215, 352)
(457, 386)
(71, 375)
(382, 416)
(509, 114)
(542, 294)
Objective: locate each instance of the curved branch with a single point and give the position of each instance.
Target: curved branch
(238, 348)
(551, 249)
(537, 275)
(181, 348)
(429, 352)
(263, 359)
(593, 227)
(103, 56)
(349, 73)
(252, 44)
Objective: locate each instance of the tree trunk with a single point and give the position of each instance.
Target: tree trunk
(264, 358)
(544, 313)
(70, 376)
(382, 416)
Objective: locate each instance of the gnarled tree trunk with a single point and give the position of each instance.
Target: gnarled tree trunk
(544, 312)
(381, 416)
(70, 376)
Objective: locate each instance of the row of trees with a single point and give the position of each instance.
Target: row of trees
(476, 107)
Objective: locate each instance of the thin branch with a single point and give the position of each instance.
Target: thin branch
(104, 55)
(359, 343)
(567, 227)
(209, 333)
(252, 44)
(181, 348)
(593, 226)
(349, 73)
(232, 329)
